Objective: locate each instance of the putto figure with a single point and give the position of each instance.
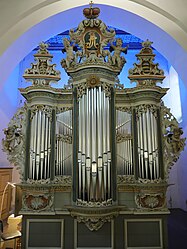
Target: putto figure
(70, 55)
(116, 59)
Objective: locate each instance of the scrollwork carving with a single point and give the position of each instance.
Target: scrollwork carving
(107, 89)
(94, 223)
(150, 201)
(122, 137)
(37, 202)
(173, 143)
(14, 141)
(146, 73)
(81, 90)
(43, 108)
(92, 36)
(122, 179)
(65, 138)
(67, 180)
(42, 73)
(92, 204)
(144, 108)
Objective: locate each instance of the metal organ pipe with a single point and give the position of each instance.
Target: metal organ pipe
(40, 146)
(124, 147)
(94, 146)
(147, 145)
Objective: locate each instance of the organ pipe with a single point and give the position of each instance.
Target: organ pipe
(94, 145)
(148, 162)
(40, 146)
(63, 147)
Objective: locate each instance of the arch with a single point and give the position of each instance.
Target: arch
(30, 31)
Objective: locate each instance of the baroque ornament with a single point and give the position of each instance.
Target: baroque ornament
(83, 203)
(146, 72)
(42, 72)
(37, 203)
(144, 108)
(150, 201)
(122, 179)
(94, 223)
(173, 142)
(14, 141)
(91, 37)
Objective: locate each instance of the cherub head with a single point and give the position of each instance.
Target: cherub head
(119, 42)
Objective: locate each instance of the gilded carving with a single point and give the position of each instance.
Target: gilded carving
(42, 73)
(91, 37)
(150, 201)
(116, 59)
(37, 202)
(122, 137)
(145, 107)
(92, 81)
(146, 73)
(43, 108)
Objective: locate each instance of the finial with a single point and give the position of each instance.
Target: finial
(91, 13)
(147, 43)
(91, 4)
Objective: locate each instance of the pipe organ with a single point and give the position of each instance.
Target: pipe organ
(94, 150)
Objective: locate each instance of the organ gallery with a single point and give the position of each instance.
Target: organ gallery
(94, 156)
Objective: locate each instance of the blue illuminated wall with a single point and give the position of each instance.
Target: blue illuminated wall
(171, 81)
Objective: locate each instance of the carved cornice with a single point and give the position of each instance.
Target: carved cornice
(131, 97)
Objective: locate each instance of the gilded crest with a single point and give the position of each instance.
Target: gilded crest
(93, 81)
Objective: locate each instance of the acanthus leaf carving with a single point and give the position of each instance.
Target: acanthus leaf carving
(150, 200)
(37, 202)
(173, 142)
(94, 223)
(42, 73)
(146, 73)
(14, 141)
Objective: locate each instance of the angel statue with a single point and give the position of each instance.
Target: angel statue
(70, 55)
(116, 59)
